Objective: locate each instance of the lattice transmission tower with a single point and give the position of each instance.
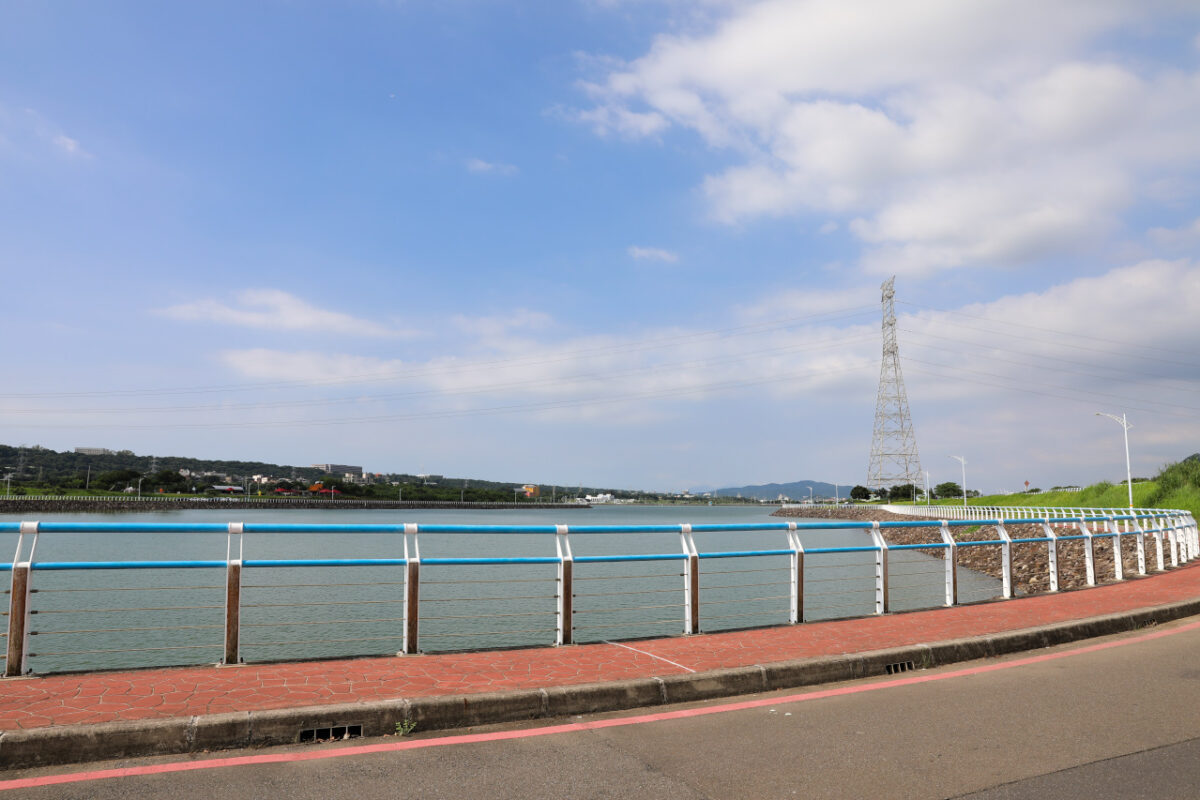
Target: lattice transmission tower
(894, 458)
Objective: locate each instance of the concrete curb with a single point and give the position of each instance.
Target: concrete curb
(80, 743)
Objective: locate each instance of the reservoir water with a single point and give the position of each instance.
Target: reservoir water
(106, 619)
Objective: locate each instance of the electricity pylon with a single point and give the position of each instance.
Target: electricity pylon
(894, 458)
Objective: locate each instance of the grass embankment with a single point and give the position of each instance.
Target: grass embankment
(1176, 486)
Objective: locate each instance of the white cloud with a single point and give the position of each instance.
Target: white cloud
(954, 134)
(1176, 238)
(68, 145)
(310, 366)
(802, 302)
(275, 309)
(630, 124)
(652, 254)
(494, 327)
(479, 166)
(1010, 383)
(28, 133)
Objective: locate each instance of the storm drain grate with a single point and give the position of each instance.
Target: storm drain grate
(331, 733)
(899, 666)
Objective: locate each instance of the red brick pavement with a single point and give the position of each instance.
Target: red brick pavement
(161, 693)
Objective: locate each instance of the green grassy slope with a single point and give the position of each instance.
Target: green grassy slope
(1176, 486)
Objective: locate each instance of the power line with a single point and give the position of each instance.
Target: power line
(486, 389)
(1088, 337)
(958, 376)
(375, 377)
(1055, 370)
(445, 414)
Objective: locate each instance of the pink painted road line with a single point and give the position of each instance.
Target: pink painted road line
(183, 692)
(574, 727)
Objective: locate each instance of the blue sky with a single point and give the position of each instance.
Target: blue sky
(626, 243)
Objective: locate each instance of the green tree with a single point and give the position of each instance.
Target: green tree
(947, 490)
(168, 480)
(114, 480)
(860, 493)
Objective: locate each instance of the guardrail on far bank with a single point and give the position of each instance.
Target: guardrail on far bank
(540, 599)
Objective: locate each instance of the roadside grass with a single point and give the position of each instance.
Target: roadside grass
(1176, 486)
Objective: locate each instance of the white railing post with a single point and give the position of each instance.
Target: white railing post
(796, 562)
(1051, 553)
(691, 581)
(1185, 540)
(1156, 524)
(881, 570)
(1005, 559)
(1172, 540)
(1118, 566)
(951, 565)
(1141, 546)
(1089, 552)
(566, 563)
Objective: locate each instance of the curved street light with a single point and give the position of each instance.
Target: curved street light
(1124, 423)
(963, 461)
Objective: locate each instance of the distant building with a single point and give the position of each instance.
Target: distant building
(339, 469)
(94, 451)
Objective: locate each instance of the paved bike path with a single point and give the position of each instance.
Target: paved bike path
(189, 708)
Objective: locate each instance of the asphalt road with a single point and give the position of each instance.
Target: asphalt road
(1123, 721)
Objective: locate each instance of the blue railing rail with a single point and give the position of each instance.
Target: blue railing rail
(1174, 535)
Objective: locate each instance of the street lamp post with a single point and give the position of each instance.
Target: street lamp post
(926, 487)
(810, 496)
(1124, 423)
(963, 461)
(140, 486)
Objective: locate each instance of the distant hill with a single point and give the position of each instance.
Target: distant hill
(41, 464)
(796, 490)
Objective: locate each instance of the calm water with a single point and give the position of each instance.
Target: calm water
(130, 618)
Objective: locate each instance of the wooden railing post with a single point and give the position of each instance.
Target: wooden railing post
(17, 652)
(691, 581)
(566, 586)
(233, 596)
(412, 591)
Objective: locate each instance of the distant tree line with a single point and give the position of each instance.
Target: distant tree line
(44, 470)
(910, 492)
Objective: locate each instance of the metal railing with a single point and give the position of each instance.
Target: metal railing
(987, 513)
(406, 598)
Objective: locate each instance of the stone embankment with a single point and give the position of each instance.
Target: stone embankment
(86, 505)
(1030, 562)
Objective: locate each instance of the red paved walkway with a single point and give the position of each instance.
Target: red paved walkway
(151, 694)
